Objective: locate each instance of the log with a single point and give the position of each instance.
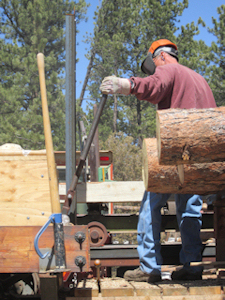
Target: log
(188, 136)
(201, 179)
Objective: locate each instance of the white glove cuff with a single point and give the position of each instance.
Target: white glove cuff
(124, 86)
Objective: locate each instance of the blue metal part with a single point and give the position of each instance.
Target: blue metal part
(54, 218)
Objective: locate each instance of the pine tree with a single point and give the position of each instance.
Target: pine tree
(217, 79)
(127, 157)
(28, 27)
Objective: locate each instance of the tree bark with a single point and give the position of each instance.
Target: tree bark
(187, 136)
(140, 140)
(202, 179)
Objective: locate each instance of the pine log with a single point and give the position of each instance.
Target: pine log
(188, 136)
(201, 179)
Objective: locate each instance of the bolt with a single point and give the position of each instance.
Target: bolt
(28, 218)
(80, 261)
(42, 176)
(42, 213)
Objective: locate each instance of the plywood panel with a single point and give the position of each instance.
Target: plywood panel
(24, 188)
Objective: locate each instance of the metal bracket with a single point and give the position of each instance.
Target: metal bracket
(54, 218)
(48, 262)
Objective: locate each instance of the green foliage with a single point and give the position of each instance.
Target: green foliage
(127, 157)
(28, 27)
(217, 78)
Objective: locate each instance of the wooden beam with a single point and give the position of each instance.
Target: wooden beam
(105, 192)
(17, 253)
(60, 157)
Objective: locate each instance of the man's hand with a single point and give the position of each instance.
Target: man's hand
(115, 85)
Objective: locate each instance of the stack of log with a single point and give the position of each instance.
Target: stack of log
(188, 154)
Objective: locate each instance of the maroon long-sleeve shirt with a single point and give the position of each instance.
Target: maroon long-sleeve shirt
(174, 86)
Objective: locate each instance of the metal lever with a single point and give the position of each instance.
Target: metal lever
(54, 218)
(98, 266)
(83, 156)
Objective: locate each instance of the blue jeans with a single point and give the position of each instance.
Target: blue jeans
(149, 225)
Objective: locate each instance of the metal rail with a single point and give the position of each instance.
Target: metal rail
(129, 222)
(127, 255)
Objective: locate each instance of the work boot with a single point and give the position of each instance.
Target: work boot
(139, 275)
(184, 274)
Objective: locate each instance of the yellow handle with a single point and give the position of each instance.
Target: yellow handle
(53, 182)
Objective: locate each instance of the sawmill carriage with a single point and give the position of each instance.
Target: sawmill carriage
(26, 206)
(41, 249)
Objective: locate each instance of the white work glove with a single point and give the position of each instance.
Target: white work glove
(115, 85)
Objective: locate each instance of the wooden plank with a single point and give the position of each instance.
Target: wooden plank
(173, 289)
(117, 298)
(120, 191)
(205, 290)
(18, 255)
(105, 192)
(12, 151)
(192, 297)
(117, 287)
(103, 154)
(143, 288)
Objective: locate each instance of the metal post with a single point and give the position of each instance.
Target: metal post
(70, 99)
(219, 225)
(94, 154)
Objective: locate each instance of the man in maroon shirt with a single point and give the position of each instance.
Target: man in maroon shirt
(169, 85)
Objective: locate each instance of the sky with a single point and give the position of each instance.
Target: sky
(206, 9)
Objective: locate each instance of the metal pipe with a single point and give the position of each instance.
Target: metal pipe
(70, 98)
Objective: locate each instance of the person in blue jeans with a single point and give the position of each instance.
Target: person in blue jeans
(188, 209)
(168, 85)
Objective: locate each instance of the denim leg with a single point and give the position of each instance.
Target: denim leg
(189, 221)
(148, 232)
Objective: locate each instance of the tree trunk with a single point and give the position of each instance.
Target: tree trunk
(87, 76)
(187, 136)
(140, 140)
(202, 179)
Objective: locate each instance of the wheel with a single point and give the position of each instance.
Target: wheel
(98, 234)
